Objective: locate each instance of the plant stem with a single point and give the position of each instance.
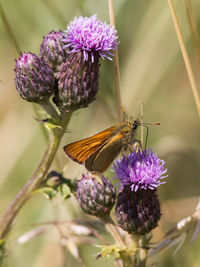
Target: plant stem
(142, 127)
(112, 228)
(118, 263)
(128, 260)
(41, 125)
(116, 65)
(142, 259)
(194, 31)
(142, 250)
(38, 176)
(185, 56)
(48, 107)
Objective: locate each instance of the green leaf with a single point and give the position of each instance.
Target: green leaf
(2, 250)
(52, 125)
(2, 243)
(65, 191)
(48, 192)
(118, 252)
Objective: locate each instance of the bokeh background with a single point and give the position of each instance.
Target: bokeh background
(152, 72)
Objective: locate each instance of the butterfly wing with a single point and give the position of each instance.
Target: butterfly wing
(100, 160)
(79, 151)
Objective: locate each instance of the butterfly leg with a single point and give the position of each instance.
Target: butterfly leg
(137, 145)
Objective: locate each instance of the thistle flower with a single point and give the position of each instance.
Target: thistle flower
(95, 197)
(91, 36)
(88, 40)
(140, 170)
(52, 50)
(138, 207)
(34, 79)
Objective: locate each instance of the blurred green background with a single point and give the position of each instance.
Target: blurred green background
(152, 72)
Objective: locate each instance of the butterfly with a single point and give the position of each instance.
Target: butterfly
(98, 151)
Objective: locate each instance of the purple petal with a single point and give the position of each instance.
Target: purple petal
(140, 170)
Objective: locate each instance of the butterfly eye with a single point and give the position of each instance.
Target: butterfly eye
(135, 125)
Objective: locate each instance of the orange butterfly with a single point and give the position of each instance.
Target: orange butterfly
(98, 151)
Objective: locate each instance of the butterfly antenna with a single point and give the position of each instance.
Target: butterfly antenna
(146, 139)
(145, 124)
(124, 113)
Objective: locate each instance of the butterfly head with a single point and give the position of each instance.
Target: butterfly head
(135, 124)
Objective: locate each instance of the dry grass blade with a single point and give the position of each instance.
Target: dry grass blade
(194, 31)
(116, 65)
(28, 236)
(185, 231)
(185, 56)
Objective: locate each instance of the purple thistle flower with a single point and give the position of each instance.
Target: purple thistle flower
(90, 35)
(140, 170)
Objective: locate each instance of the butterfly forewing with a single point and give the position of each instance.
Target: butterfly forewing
(102, 158)
(79, 151)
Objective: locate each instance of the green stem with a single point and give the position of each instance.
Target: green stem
(112, 228)
(141, 242)
(38, 176)
(127, 260)
(142, 257)
(41, 125)
(48, 107)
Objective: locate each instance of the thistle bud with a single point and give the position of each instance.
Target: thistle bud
(95, 197)
(54, 179)
(137, 212)
(34, 79)
(52, 50)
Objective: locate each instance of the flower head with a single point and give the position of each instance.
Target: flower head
(140, 170)
(95, 196)
(34, 79)
(52, 50)
(91, 36)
